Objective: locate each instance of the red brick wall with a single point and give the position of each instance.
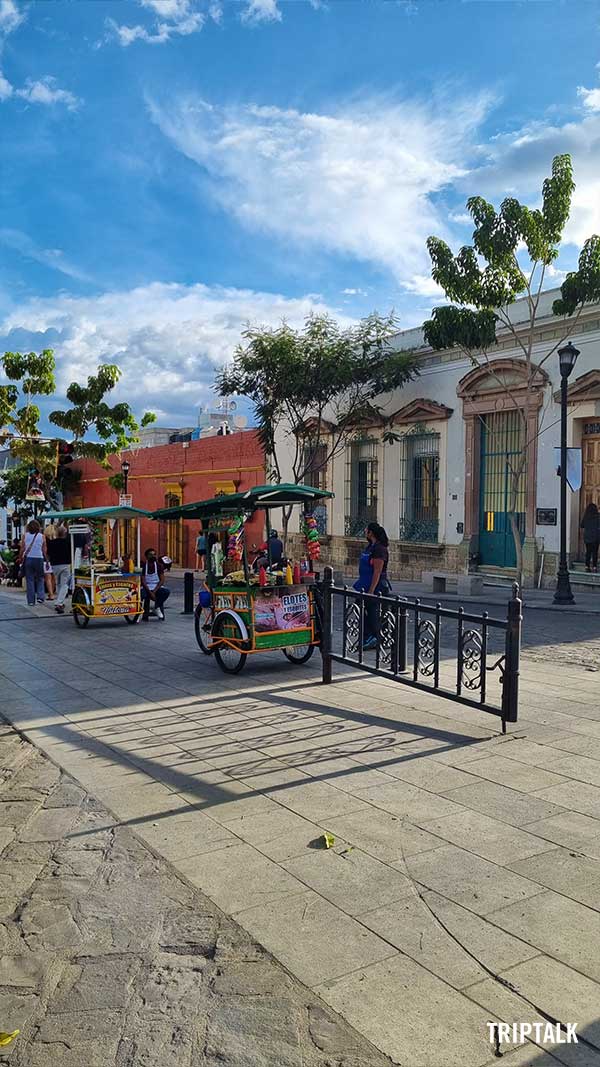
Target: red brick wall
(196, 469)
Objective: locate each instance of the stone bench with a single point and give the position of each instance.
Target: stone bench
(439, 581)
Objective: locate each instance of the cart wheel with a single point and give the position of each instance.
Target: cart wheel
(78, 604)
(298, 653)
(132, 619)
(202, 626)
(231, 660)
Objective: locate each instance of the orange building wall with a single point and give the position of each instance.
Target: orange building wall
(189, 471)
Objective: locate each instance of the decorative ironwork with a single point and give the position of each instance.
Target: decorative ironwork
(419, 662)
(418, 530)
(355, 525)
(352, 625)
(426, 647)
(387, 636)
(472, 659)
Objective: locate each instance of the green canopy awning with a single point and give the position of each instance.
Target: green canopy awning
(260, 496)
(107, 512)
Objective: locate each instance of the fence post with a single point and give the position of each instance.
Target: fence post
(326, 629)
(188, 593)
(510, 684)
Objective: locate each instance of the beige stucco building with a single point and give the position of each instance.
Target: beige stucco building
(442, 490)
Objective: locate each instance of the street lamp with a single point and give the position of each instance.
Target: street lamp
(567, 358)
(125, 470)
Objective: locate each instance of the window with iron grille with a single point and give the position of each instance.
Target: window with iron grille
(361, 486)
(314, 466)
(419, 486)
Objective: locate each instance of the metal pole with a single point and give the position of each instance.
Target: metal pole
(563, 594)
(510, 681)
(188, 593)
(326, 628)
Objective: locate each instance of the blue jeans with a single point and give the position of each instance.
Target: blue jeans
(34, 577)
(160, 595)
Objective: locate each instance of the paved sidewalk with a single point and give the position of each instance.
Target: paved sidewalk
(109, 958)
(464, 884)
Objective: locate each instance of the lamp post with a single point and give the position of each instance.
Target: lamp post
(567, 358)
(125, 470)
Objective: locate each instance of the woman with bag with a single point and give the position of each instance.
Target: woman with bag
(372, 578)
(33, 557)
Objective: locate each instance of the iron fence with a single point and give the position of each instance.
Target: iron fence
(450, 652)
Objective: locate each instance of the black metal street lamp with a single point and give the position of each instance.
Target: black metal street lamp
(125, 470)
(567, 358)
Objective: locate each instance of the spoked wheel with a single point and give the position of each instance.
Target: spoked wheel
(202, 628)
(132, 619)
(298, 653)
(231, 660)
(79, 605)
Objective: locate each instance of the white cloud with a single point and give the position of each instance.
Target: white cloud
(167, 338)
(261, 11)
(10, 16)
(353, 292)
(590, 97)
(424, 285)
(172, 18)
(357, 182)
(49, 257)
(518, 163)
(6, 88)
(46, 92)
(461, 218)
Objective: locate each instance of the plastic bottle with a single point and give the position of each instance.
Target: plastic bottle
(262, 576)
(296, 574)
(289, 577)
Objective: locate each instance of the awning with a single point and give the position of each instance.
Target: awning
(260, 496)
(108, 512)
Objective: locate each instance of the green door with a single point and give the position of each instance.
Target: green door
(502, 440)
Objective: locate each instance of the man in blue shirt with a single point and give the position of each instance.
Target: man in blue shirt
(275, 548)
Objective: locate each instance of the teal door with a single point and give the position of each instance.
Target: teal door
(502, 442)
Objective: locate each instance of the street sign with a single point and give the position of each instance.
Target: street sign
(125, 500)
(546, 516)
(574, 467)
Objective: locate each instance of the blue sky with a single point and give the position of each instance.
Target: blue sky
(171, 169)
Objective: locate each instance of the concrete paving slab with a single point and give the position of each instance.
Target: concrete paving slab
(400, 798)
(469, 880)
(427, 773)
(238, 877)
(351, 879)
(314, 939)
(570, 829)
(421, 1020)
(506, 805)
(565, 871)
(385, 836)
(487, 837)
(515, 775)
(558, 926)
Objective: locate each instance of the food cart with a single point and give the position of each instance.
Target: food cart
(244, 610)
(101, 588)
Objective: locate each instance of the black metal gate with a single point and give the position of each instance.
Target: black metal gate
(411, 646)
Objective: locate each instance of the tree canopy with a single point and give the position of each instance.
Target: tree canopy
(300, 380)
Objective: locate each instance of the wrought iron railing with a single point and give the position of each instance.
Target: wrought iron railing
(450, 652)
(425, 530)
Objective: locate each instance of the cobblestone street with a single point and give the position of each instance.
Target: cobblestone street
(107, 957)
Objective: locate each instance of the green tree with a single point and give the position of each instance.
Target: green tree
(311, 387)
(32, 375)
(509, 258)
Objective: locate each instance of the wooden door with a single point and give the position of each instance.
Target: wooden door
(590, 489)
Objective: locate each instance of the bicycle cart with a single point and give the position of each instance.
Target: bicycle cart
(243, 611)
(101, 588)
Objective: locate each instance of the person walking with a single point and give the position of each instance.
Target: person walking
(49, 577)
(201, 551)
(59, 554)
(153, 588)
(33, 556)
(590, 524)
(372, 578)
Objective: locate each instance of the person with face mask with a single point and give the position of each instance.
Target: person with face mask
(372, 578)
(153, 589)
